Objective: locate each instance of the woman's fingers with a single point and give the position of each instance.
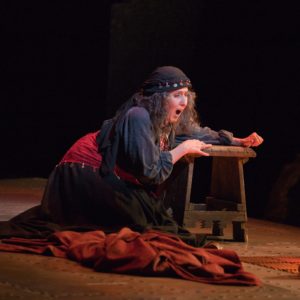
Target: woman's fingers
(203, 153)
(205, 146)
(196, 147)
(202, 146)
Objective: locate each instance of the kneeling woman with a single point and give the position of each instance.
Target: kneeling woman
(114, 177)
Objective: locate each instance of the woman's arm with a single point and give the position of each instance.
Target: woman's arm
(222, 137)
(207, 135)
(140, 154)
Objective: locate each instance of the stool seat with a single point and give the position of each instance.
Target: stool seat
(226, 202)
(230, 151)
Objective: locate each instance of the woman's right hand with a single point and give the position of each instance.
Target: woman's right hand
(195, 147)
(189, 147)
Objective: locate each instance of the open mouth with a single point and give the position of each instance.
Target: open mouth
(178, 112)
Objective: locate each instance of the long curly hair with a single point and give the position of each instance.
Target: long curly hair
(155, 104)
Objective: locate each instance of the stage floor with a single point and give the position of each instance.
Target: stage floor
(27, 276)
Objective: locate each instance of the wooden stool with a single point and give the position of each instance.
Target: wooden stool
(226, 202)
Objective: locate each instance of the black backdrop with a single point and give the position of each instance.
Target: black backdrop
(69, 64)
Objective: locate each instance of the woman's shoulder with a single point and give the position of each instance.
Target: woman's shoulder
(139, 113)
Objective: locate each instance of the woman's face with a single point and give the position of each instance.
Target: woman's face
(176, 103)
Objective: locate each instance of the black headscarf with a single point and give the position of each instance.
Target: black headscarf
(165, 79)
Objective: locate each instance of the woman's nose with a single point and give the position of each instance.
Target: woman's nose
(183, 101)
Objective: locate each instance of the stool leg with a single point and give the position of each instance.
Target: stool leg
(239, 231)
(179, 190)
(217, 229)
(228, 184)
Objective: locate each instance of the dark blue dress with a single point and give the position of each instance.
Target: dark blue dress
(88, 196)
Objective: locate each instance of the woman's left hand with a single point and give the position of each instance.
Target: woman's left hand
(253, 140)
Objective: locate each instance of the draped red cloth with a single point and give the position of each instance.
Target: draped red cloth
(151, 253)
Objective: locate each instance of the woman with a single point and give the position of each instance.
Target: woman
(114, 178)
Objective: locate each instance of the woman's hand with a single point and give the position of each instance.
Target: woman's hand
(195, 147)
(253, 140)
(189, 147)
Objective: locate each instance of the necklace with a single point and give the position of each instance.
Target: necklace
(164, 138)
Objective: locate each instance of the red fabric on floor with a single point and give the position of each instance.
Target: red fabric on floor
(152, 253)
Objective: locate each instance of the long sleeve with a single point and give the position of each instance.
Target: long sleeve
(207, 135)
(138, 151)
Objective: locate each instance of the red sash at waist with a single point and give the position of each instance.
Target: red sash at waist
(85, 151)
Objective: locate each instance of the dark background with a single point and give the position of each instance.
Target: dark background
(69, 64)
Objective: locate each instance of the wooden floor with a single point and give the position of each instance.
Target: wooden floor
(26, 276)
